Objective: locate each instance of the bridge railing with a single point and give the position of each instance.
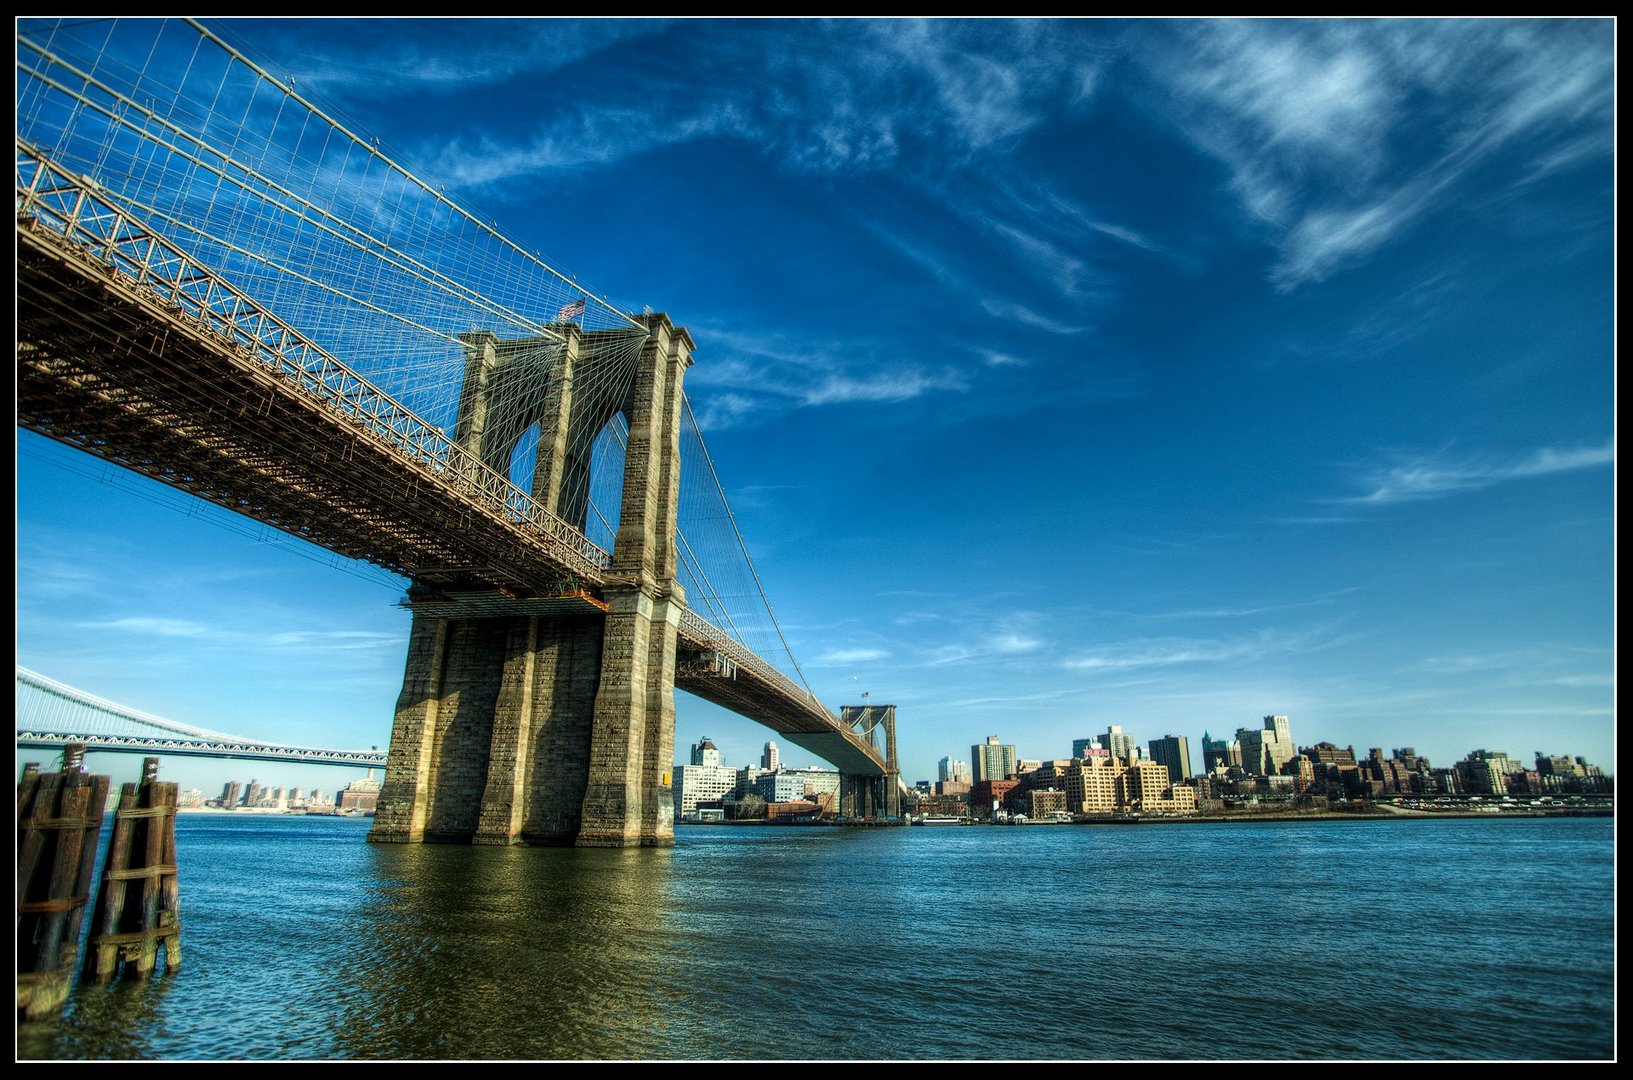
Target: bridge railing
(100, 230)
(155, 744)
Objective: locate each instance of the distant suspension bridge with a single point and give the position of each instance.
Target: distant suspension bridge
(52, 715)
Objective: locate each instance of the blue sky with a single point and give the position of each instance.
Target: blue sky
(1061, 374)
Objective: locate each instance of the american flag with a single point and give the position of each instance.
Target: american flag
(571, 311)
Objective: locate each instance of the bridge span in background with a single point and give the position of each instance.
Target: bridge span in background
(52, 715)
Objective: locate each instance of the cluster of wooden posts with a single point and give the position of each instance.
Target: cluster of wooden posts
(59, 822)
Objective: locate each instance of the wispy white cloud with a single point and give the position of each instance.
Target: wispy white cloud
(329, 640)
(1010, 643)
(752, 377)
(158, 627)
(885, 386)
(1531, 661)
(840, 96)
(1433, 476)
(583, 138)
(1008, 309)
(1326, 239)
(718, 411)
(451, 55)
(852, 656)
(1318, 122)
(1174, 651)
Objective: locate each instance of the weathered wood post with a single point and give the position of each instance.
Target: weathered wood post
(131, 924)
(59, 817)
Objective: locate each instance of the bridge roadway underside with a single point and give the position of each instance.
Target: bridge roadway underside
(805, 724)
(103, 367)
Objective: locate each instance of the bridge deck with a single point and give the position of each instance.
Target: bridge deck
(162, 396)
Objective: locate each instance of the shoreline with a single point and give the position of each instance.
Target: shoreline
(1272, 815)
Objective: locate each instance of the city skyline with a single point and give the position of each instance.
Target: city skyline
(1160, 374)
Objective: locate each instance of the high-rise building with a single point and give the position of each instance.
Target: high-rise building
(705, 752)
(1256, 760)
(770, 760)
(1266, 750)
(1121, 744)
(1486, 772)
(1215, 752)
(992, 760)
(954, 770)
(1174, 751)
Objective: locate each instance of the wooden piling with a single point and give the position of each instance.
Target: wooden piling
(59, 817)
(131, 925)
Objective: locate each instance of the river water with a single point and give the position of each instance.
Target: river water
(1440, 939)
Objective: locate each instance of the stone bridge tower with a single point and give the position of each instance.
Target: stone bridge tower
(552, 720)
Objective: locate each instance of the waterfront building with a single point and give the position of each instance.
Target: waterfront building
(1174, 752)
(770, 759)
(1445, 782)
(696, 784)
(952, 769)
(987, 795)
(1091, 786)
(992, 760)
(1048, 774)
(229, 794)
(1391, 774)
(1143, 785)
(1563, 773)
(788, 785)
(1486, 773)
(1041, 803)
(797, 808)
(1104, 785)
(359, 796)
(944, 806)
(252, 794)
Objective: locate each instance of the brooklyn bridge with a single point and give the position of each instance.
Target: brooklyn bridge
(225, 289)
